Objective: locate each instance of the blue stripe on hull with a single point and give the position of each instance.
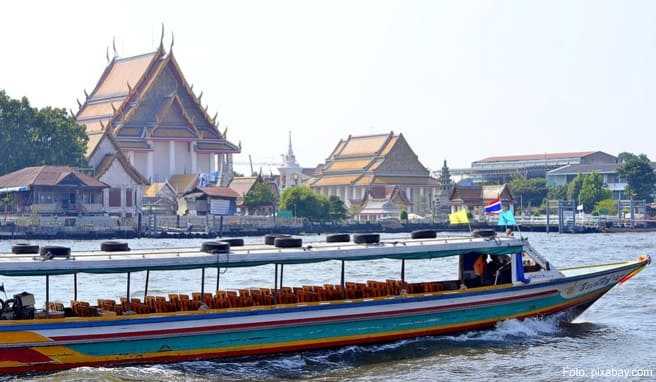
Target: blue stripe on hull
(316, 331)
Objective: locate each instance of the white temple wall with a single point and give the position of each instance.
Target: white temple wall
(141, 162)
(161, 161)
(203, 162)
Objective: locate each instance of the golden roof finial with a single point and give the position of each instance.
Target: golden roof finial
(161, 39)
(79, 104)
(129, 87)
(172, 42)
(114, 46)
(214, 118)
(86, 95)
(107, 53)
(200, 96)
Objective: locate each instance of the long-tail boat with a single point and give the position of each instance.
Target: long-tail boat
(499, 278)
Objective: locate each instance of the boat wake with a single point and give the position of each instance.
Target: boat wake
(514, 331)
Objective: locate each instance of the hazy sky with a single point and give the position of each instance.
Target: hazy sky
(460, 79)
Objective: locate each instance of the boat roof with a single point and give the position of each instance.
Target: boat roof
(251, 255)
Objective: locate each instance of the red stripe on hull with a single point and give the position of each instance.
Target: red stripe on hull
(23, 355)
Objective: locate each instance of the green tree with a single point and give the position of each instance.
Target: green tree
(592, 191)
(574, 187)
(259, 195)
(605, 207)
(531, 191)
(555, 192)
(304, 202)
(639, 175)
(336, 208)
(34, 137)
(404, 216)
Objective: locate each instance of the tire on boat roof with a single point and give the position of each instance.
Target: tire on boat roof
(215, 247)
(55, 251)
(484, 233)
(424, 234)
(232, 242)
(366, 238)
(24, 248)
(269, 239)
(338, 238)
(114, 246)
(288, 242)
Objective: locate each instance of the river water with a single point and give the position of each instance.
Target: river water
(617, 334)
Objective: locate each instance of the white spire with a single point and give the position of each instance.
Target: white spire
(289, 159)
(290, 151)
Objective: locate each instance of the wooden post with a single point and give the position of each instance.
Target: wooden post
(275, 285)
(74, 286)
(47, 295)
(282, 267)
(341, 282)
(146, 287)
(218, 278)
(403, 270)
(202, 282)
(128, 290)
(275, 278)
(221, 226)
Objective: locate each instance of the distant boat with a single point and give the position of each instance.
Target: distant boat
(499, 279)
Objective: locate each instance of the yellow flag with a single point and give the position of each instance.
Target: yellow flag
(459, 217)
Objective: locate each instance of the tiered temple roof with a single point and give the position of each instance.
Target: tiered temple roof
(383, 159)
(146, 96)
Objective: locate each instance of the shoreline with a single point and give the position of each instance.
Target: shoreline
(310, 229)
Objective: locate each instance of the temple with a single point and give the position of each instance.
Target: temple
(376, 164)
(145, 124)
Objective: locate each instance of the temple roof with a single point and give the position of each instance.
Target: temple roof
(368, 159)
(122, 87)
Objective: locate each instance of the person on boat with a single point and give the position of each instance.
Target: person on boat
(474, 271)
(509, 232)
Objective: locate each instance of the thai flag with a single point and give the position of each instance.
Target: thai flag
(494, 207)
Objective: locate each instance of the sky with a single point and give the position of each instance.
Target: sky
(461, 80)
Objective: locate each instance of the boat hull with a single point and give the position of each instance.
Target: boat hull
(47, 346)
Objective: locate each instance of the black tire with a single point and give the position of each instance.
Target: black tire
(24, 248)
(55, 251)
(338, 238)
(486, 233)
(215, 247)
(424, 234)
(114, 246)
(288, 242)
(233, 242)
(366, 238)
(269, 239)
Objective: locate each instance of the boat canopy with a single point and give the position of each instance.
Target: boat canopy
(248, 256)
